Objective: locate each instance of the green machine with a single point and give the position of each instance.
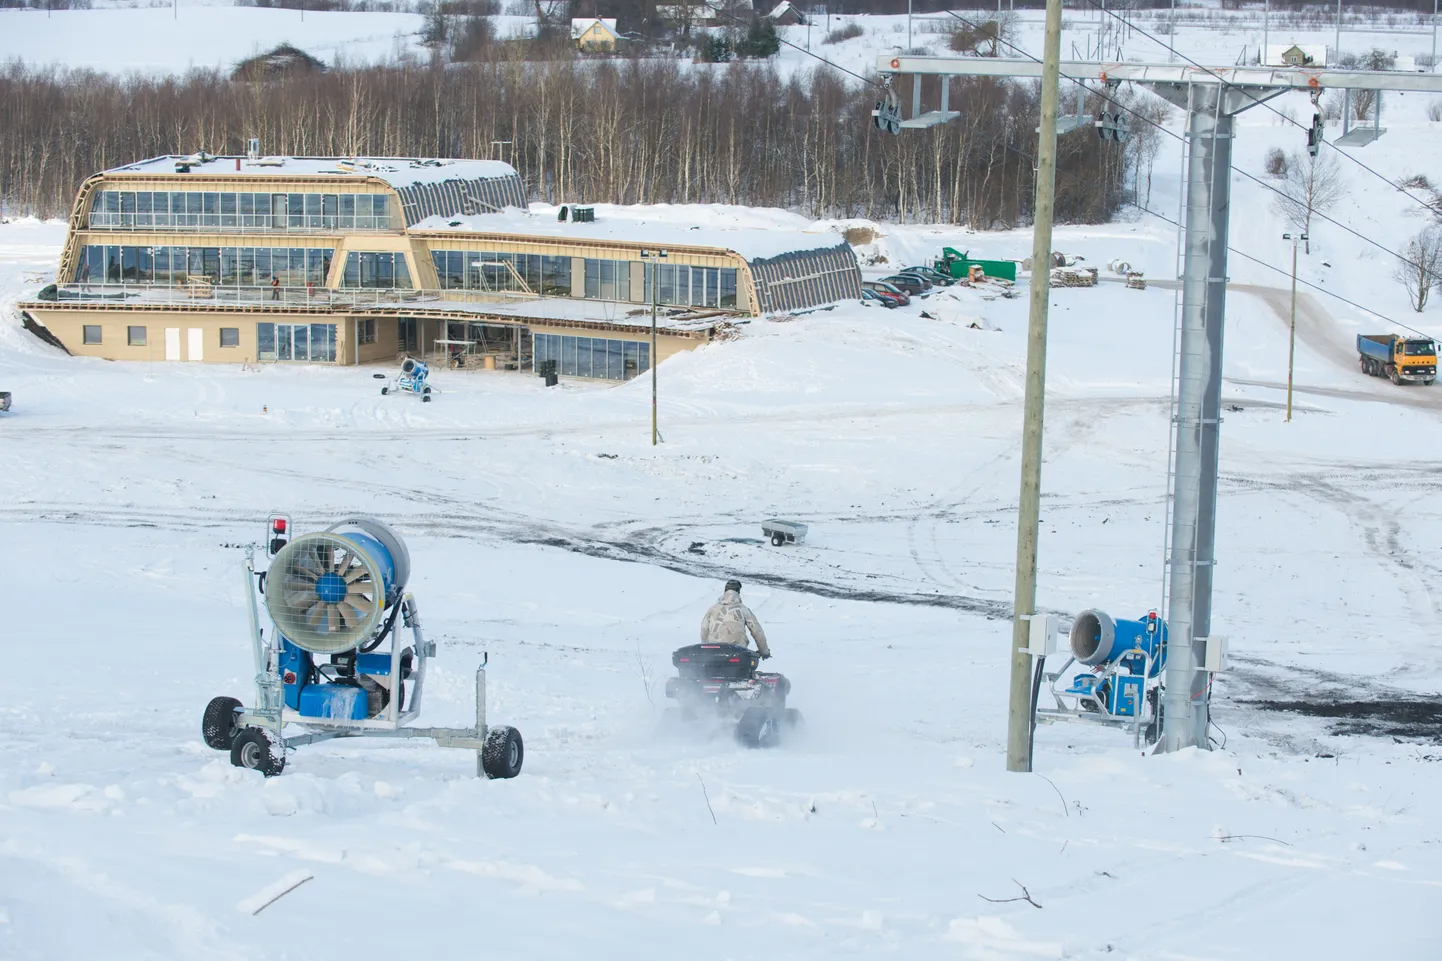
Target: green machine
(955, 263)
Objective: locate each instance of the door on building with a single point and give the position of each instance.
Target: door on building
(407, 338)
(172, 343)
(195, 345)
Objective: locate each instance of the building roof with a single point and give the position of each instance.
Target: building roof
(661, 225)
(782, 9)
(580, 26)
(396, 171)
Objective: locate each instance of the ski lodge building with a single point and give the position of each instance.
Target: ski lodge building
(348, 261)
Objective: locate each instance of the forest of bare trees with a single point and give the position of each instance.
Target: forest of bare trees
(638, 131)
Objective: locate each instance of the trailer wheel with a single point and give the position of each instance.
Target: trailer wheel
(217, 726)
(503, 754)
(385, 390)
(777, 539)
(254, 749)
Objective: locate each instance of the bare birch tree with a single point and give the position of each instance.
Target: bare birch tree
(1420, 268)
(1310, 185)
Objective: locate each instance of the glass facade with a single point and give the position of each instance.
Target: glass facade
(491, 270)
(199, 210)
(296, 342)
(681, 285)
(385, 271)
(226, 266)
(608, 279)
(598, 357)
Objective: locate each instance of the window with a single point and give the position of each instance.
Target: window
(265, 341)
(91, 334)
(608, 279)
(135, 336)
(384, 271)
(366, 331)
(594, 357)
(230, 336)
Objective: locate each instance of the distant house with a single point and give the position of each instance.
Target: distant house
(785, 15)
(692, 13)
(594, 35)
(1295, 55)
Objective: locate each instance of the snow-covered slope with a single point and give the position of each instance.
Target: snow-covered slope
(546, 530)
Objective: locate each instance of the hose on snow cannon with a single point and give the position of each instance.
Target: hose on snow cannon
(1098, 639)
(328, 592)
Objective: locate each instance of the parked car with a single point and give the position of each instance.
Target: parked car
(927, 273)
(869, 297)
(910, 283)
(882, 287)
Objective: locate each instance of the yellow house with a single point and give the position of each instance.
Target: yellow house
(595, 35)
(356, 260)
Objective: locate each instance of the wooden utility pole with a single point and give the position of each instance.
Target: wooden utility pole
(1018, 724)
(1292, 342)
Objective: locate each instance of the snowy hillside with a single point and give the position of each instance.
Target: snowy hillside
(546, 531)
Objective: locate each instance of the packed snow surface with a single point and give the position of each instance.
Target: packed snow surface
(545, 530)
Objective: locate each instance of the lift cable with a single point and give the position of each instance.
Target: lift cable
(1319, 215)
(1287, 273)
(1262, 103)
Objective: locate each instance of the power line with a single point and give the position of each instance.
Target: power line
(1178, 137)
(1306, 283)
(1262, 103)
(816, 56)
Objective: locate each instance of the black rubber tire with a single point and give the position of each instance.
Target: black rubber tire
(379, 376)
(504, 753)
(253, 749)
(757, 727)
(426, 399)
(791, 719)
(778, 539)
(385, 390)
(217, 725)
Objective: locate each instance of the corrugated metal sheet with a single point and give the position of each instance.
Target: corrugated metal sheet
(806, 278)
(455, 198)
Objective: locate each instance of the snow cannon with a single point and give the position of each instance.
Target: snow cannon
(335, 664)
(1098, 639)
(1113, 674)
(413, 379)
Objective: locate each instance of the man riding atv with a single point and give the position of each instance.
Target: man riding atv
(718, 685)
(729, 620)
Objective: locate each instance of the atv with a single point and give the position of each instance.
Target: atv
(718, 686)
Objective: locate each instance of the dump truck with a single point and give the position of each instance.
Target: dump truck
(1406, 360)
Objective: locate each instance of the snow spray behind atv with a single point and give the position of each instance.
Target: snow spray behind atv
(718, 686)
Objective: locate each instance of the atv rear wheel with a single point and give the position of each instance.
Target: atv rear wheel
(758, 727)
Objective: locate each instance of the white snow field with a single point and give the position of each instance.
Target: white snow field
(546, 531)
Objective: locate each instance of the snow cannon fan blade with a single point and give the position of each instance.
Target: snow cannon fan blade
(328, 592)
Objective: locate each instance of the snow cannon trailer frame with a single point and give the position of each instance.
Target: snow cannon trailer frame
(360, 692)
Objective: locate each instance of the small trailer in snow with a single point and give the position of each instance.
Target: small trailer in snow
(784, 532)
(1403, 359)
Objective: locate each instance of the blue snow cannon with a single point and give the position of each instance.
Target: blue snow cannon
(328, 594)
(1123, 655)
(413, 376)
